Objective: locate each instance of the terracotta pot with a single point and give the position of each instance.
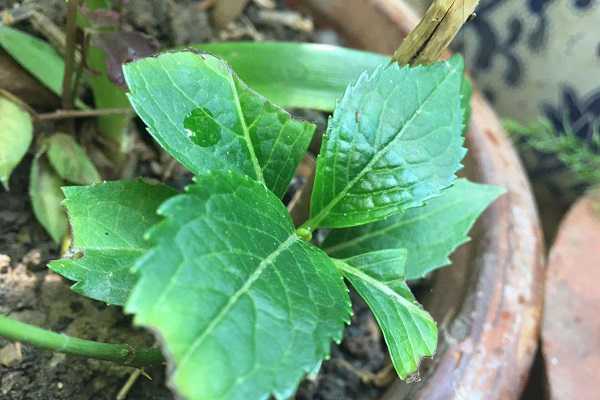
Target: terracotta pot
(488, 304)
(571, 325)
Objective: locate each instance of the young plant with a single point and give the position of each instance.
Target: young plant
(59, 158)
(244, 303)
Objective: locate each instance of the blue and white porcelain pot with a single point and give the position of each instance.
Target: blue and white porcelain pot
(538, 58)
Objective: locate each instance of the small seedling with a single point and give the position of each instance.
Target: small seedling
(59, 158)
(246, 304)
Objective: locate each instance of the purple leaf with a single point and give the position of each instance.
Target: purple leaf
(121, 48)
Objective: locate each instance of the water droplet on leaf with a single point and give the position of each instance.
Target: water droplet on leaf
(202, 127)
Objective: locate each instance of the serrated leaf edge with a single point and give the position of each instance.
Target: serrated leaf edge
(414, 306)
(293, 237)
(315, 220)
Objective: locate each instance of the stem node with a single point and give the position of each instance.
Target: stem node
(123, 354)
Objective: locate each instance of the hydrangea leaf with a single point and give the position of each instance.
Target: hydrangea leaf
(108, 221)
(409, 331)
(466, 92)
(430, 233)
(208, 119)
(46, 198)
(16, 133)
(244, 307)
(70, 160)
(37, 57)
(394, 141)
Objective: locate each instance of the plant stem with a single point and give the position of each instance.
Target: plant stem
(64, 114)
(119, 353)
(440, 24)
(80, 66)
(67, 91)
(8, 95)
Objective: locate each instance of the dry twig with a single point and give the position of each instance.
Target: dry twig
(440, 24)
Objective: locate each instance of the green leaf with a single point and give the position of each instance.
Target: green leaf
(578, 153)
(430, 233)
(466, 92)
(46, 198)
(409, 331)
(108, 222)
(208, 119)
(70, 161)
(394, 141)
(306, 75)
(36, 56)
(243, 306)
(16, 133)
(106, 93)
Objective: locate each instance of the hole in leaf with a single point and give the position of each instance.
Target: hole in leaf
(202, 127)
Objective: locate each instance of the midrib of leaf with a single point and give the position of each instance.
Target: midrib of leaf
(119, 249)
(238, 107)
(376, 283)
(383, 231)
(264, 264)
(314, 221)
(386, 290)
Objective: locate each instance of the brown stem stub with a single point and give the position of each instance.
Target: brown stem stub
(440, 24)
(69, 114)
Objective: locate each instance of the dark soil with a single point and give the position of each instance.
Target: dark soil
(31, 293)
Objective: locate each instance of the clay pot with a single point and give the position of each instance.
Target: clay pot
(488, 304)
(571, 325)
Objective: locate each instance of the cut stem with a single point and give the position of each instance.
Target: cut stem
(119, 353)
(430, 38)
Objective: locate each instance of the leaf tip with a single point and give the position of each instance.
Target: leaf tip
(4, 180)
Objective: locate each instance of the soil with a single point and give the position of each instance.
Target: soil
(31, 293)
(359, 367)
